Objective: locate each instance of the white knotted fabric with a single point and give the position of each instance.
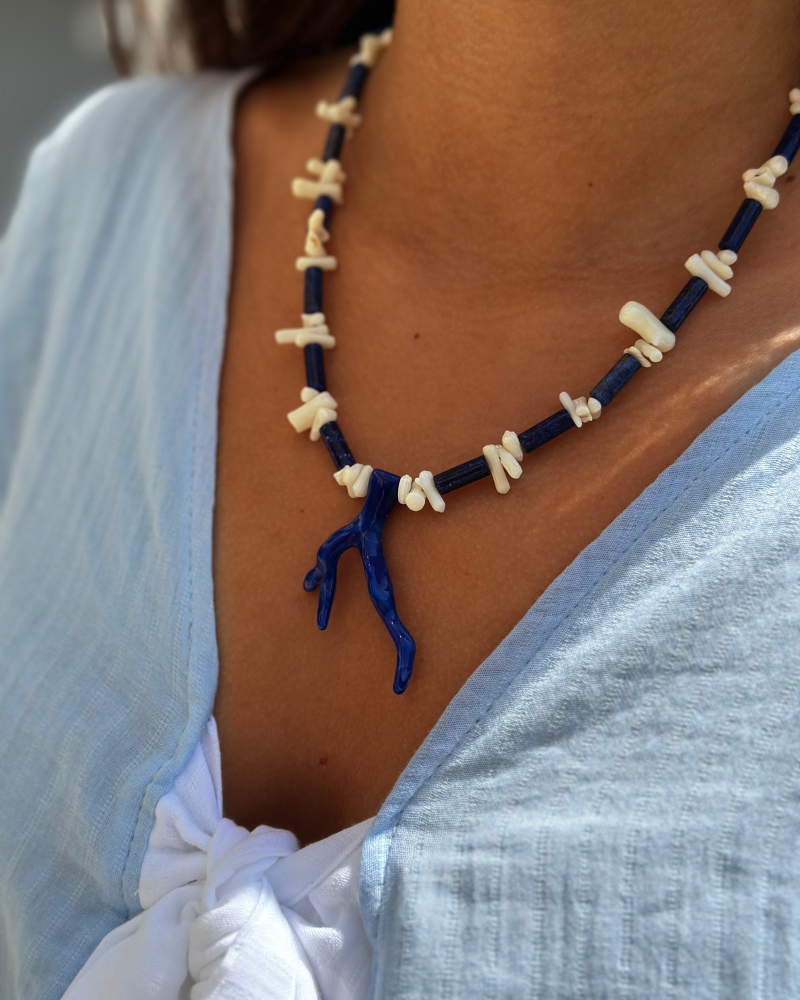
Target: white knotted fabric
(234, 915)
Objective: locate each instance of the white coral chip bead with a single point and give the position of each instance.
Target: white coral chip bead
(501, 484)
(636, 353)
(728, 257)
(590, 409)
(302, 187)
(794, 95)
(719, 267)
(415, 499)
(328, 171)
(355, 478)
(511, 443)
(317, 234)
(306, 335)
(330, 179)
(371, 47)
(314, 246)
(778, 165)
(651, 353)
(316, 225)
(302, 418)
(582, 409)
(307, 393)
(323, 416)
(649, 327)
(350, 476)
(768, 197)
(341, 112)
(324, 263)
(313, 331)
(361, 485)
(759, 183)
(699, 268)
(566, 401)
(404, 488)
(425, 481)
(509, 463)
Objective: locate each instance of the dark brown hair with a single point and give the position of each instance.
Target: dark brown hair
(206, 34)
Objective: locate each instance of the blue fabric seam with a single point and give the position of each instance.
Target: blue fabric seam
(567, 615)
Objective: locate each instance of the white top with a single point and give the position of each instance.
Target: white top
(233, 915)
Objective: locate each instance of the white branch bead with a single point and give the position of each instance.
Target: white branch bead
(511, 444)
(490, 453)
(323, 416)
(371, 48)
(317, 235)
(355, 478)
(509, 463)
(341, 112)
(313, 331)
(700, 267)
(302, 419)
(759, 184)
(651, 353)
(361, 485)
(566, 401)
(416, 498)
(768, 197)
(414, 492)
(350, 474)
(794, 101)
(307, 393)
(302, 337)
(404, 488)
(727, 256)
(719, 267)
(649, 327)
(324, 263)
(425, 482)
(582, 410)
(331, 178)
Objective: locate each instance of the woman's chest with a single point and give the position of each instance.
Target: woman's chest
(313, 737)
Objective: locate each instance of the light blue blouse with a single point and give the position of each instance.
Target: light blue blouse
(610, 807)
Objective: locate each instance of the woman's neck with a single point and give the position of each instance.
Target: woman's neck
(535, 137)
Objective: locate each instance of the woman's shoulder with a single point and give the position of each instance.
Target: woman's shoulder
(143, 126)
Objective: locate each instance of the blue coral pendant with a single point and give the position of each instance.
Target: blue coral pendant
(365, 533)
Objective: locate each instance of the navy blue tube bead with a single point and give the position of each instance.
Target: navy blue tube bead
(337, 446)
(333, 145)
(355, 81)
(545, 430)
(312, 300)
(683, 303)
(790, 140)
(462, 475)
(744, 220)
(315, 367)
(326, 204)
(619, 376)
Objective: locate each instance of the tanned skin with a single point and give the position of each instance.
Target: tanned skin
(524, 168)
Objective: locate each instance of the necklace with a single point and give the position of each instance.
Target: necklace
(381, 490)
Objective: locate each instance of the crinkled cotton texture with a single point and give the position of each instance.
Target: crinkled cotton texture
(608, 808)
(231, 914)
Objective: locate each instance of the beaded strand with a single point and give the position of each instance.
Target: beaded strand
(318, 410)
